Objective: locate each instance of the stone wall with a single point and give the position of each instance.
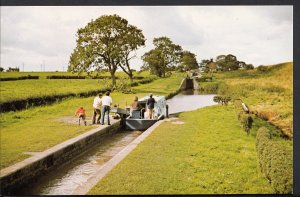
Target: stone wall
(28, 170)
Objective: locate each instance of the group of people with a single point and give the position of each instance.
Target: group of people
(101, 106)
(150, 103)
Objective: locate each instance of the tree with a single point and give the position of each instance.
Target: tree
(106, 43)
(1, 69)
(131, 41)
(228, 63)
(188, 61)
(164, 56)
(249, 67)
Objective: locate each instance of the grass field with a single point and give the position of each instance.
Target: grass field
(22, 89)
(268, 94)
(38, 128)
(209, 154)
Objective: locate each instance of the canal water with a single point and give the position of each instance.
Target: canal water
(189, 100)
(66, 179)
(73, 175)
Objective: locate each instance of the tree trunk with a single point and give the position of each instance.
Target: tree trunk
(130, 76)
(113, 79)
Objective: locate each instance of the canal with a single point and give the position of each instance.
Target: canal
(76, 173)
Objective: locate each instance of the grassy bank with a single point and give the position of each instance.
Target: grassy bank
(39, 128)
(208, 154)
(269, 94)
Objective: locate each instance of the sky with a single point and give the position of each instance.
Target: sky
(32, 36)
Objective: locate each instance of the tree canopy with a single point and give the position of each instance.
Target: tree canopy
(224, 63)
(160, 59)
(188, 61)
(108, 42)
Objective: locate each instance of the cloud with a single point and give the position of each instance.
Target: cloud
(255, 34)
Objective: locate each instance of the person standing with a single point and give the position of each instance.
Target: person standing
(150, 103)
(106, 103)
(97, 108)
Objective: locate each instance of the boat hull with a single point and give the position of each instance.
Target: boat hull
(139, 124)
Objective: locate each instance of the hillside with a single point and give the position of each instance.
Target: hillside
(268, 93)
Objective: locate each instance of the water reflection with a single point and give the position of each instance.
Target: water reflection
(189, 100)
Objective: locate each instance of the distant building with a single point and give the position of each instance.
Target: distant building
(212, 66)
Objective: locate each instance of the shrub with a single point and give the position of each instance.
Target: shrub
(246, 121)
(275, 161)
(222, 99)
(262, 68)
(217, 99)
(244, 117)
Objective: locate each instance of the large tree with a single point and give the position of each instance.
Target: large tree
(188, 61)
(106, 43)
(165, 55)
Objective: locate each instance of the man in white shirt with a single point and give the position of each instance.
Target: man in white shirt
(106, 103)
(97, 108)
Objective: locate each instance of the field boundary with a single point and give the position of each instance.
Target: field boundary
(20, 104)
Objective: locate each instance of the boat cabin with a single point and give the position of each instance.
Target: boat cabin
(139, 120)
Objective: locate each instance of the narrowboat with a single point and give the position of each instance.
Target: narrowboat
(139, 119)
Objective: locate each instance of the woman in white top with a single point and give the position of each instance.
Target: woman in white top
(106, 103)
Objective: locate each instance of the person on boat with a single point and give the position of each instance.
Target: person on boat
(137, 107)
(150, 103)
(97, 108)
(80, 113)
(106, 103)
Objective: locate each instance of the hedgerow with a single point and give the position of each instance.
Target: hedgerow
(20, 104)
(19, 78)
(276, 162)
(86, 77)
(64, 77)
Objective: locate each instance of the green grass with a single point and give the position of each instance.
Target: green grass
(38, 128)
(209, 154)
(22, 89)
(268, 94)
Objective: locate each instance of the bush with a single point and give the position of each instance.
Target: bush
(276, 162)
(246, 121)
(217, 99)
(222, 99)
(244, 117)
(19, 78)
(262, 68)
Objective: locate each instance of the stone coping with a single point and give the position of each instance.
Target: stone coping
(108, 166)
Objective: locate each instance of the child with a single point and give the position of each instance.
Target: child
(81, 114)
